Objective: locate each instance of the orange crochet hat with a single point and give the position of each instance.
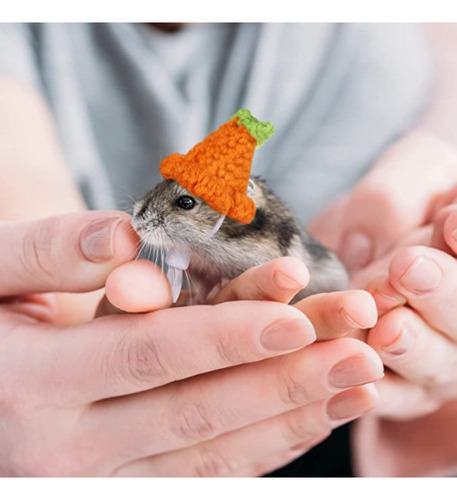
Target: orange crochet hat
(217, 169)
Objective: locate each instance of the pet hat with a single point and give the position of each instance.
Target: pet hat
(217, 169)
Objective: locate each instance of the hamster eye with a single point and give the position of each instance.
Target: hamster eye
(185, 202)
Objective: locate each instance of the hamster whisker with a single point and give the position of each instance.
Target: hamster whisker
(127, 201)
(139, 248)
(131, 230)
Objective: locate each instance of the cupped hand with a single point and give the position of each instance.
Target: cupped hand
(279, 407)
(123, 393)
(404, 189)
(416, 336)
(391, 224)
(410, 432)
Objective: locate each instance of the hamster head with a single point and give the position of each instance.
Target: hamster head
(169, 216)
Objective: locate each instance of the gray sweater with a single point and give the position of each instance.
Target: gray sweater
(123, 96)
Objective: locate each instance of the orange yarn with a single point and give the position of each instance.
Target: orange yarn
(217, 169)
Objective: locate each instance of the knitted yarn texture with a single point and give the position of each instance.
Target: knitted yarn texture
(217, 169)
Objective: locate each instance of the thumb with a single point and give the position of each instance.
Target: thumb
(395, 197)
(68, 253)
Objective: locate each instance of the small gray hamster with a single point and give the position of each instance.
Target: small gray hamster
(169, 216)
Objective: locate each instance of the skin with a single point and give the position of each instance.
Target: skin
(234, 248)
(83, 396)
(382, 442)
(62, 411)
(417, 343)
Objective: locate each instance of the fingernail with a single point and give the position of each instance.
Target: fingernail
(422, 276)
(356, 251)
(401, 344)
(96, 240)
(351, 404)
(288, 334)
(286, 282)
(356, 370)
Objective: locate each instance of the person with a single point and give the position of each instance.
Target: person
(96, 107)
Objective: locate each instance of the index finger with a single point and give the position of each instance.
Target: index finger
(279, 280)
(332, 314)
(68, 253)
(123, 354)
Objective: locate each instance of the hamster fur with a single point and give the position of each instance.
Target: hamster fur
(161, 222)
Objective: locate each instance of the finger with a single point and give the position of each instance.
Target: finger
(105, 308)
(332, 314)
(411, 348)
(278, 280)
(376, 216)
(41, 307)
(450, 228)
(281, 459)
(337, 313)
(245, 449)
(440, 235)
(379, 267)
(204, 407)
(72, 253)
(448, 198)
(400, 399)
(385, 295)
(427, 278)
(138, 286)
(275, 462)
(118, 355)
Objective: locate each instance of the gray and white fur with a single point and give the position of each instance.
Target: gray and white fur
(161, 222)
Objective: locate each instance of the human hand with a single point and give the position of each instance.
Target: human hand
(410, 431)
(397, 205)
(97, 398)
(402, 192)
(259, 447)
(415, 336)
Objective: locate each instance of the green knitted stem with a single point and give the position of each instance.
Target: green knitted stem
(261, 131)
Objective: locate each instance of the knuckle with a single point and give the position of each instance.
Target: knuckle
(228, 351)
(212, 463)
(307, 426)
(37, 250)
(143, 362)
(296, 429)
(291, 391)
(137, 359)
(196, 422)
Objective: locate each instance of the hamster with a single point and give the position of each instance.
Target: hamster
(169, 216)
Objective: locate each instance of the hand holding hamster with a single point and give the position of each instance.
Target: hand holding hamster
(182, 215)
